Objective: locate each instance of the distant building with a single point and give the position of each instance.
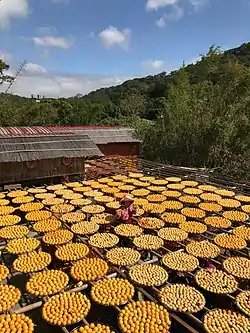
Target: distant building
(39, 152)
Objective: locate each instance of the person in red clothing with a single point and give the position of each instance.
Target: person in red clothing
(125, 214)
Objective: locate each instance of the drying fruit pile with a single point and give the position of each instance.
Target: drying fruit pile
(68, 236)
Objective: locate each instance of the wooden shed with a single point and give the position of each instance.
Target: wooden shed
(33, 157)
(112, 141)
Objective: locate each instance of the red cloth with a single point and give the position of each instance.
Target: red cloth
(126, 214)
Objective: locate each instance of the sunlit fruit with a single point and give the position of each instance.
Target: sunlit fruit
(22, 200)
(112, 292)
(182, 298)
(17, 193)
(32, 262)
(42, 196)
(243, 301)
(93, 209)
(128, 230)
(8, 220)
(66, 309)
(246, 208)
(193, 213)
(242, 232)
(208, 188)
(237, 266)
(189, 199)
(4, 272)
(236, 216)
(243, 198)
(16, 323)
(150, 223)
(140, 193)
(53, 201)
(72, 251)
(80, 202)
(231, 242)
(56, 187)
(210, 197)
(148, 242)
(73, 217)
(225, 193)
(203, 249)
(6, 210)
(193, 227)
(22, 245)
(175, 186)
(103, 240)
(225, 321)
(62, 208)
(47, 283)
(38, 215)
(229, 203)
(93, 328)
(173, 179)
(172, 205)
(89, 269)
(58, 237)
(218, 222)
(216, 281)
(144, 317)
(180, 261)
(171, 193)
(192, 191)
(50, 224)
(173, 218)
(123, 256)
(15, 231)
(191, 183)
(211, 206)
(4, 202)
(37, 190)
(9, 296)
(173, 234)
(103, 218)
(31, 206)
(148, 275)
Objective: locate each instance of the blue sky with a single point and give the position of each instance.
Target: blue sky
(73, 45)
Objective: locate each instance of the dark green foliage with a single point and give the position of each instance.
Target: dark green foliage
(196, 116)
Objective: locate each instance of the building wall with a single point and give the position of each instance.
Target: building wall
(121, 149)
(17, 172)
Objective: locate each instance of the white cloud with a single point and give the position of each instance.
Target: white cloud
(35, 79)
(153, 65)
(175, 14)
(10, 9)
(112, 36)
(198, 3)
(156, 4)
(53, 41)
(34, 68)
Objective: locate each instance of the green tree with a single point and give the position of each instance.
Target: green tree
(3, 68)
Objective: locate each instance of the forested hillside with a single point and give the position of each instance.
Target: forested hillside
(196, 116)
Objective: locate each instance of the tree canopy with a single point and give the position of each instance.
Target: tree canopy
(196, 116)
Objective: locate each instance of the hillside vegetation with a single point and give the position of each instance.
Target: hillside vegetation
(196, 116)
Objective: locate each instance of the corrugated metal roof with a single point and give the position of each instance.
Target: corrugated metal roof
(44, 130)
(19, 149)
(106, 135)
(99, 134)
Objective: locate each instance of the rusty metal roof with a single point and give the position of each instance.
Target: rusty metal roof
(44, 130)
(19, 149)
(99, 134)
